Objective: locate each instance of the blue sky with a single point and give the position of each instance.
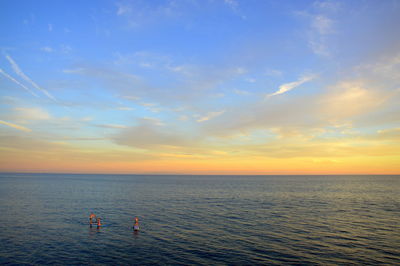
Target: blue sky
(181, 84)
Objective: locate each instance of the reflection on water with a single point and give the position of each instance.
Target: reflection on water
(135, 234)
(199, 219)
(93, 230)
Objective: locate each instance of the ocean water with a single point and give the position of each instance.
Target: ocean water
(199, 220)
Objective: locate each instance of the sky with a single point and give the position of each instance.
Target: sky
(200, 87)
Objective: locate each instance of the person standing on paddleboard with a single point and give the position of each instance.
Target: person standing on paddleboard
(91, 218)
(136, 224)
(98, 222)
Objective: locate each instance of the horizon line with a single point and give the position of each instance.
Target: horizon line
(194, 174)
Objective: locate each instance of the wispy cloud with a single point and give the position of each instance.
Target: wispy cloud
(321, 27)
(15, 126)
(322, 24)
(241, 92)
(251, 80)
(291, 85)
(131, 98)
(65, 48)
(123, 9)
(273, 73)
(112, 126)
(234, 6)
(148, 104)
(19, 72)
(153, 121)
(330, 6)
(138, 13)
(349, 99)
(29, 114)
(17, 82)
(388, 134)
(367, 98)
(190, 81)
(79, 70)
(149, 133)
(47, 49)
(123, 108)
(319, 47)
(231, 3)
(210, 115)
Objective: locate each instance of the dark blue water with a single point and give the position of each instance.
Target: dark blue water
(235, 220)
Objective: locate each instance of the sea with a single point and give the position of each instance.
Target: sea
(199, 220)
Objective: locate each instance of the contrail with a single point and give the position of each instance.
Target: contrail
(19, 72)
(17, 82)
(15, 126)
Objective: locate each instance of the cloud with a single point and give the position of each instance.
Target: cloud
(47, 49)
(321, 27)
(370, 97)
(183, 118)
(289, 86)
(350, 98)
(231, 3)
(328, 6)
(148, 104)
(83, 139)
(320, 148)
(251, 80)
(388, 134)
(196, 83)
(123, 9)
(319, 47)
(240, 70)
(138, 13)
(367, 97)
(19, 72)
(115, 78)
(241, 92)
(152, 121)
(234, 6)
(150, 133)
(322, 24)
(25, 144)
(296, 112)
(112, 126)
(185, 70)
(131, 98)
(273, 73)
(15, 126)
(66, 49)
(35, 113)
(217, 95)
(125, 108)
(17, 82)
(209, 116)
(50, 27)
(32, 153)
(387, 68)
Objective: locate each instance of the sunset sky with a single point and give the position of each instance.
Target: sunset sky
(200, 87)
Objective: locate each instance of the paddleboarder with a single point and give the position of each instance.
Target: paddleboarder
(136, 224)
(91, 218)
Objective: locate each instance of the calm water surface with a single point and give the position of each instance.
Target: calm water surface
(207, 220)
